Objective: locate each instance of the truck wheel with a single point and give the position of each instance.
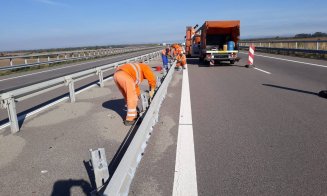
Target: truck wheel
(232, 62)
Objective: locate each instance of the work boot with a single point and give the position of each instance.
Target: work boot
(184, 67)
(129, 123)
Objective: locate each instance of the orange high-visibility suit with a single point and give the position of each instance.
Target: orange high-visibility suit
(175, 49)
(128, 77)
(181, 60)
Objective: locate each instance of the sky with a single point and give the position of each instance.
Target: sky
(36, 24)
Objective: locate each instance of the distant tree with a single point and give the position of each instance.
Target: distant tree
(319, 34)
(302, 35)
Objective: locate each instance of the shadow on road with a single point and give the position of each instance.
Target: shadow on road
(292, 89)
(116, 105)
(62, 187)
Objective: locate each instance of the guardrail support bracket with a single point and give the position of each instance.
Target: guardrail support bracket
(70, 83)
(100, 166)
(145, 102)
(8, 102)
(100, 74)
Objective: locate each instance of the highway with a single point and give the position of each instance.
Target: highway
(255, 131)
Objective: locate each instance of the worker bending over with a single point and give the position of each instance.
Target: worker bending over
(128, 77)
(181, 60)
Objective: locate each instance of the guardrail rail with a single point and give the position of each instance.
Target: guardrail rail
(120, 181)
(8, 99)
(304, 46)
(58, 57)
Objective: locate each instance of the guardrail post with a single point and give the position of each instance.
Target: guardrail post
(145, 102)
(100, 74)
(317, 45)
(48, 58)
(70, 83)
(8, 102)
(158, 81)
(38, 59)
(57, 56)
(10, 61)
(100, 166)
(25, 61)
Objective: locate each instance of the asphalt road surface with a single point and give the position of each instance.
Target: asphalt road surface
(257, 131)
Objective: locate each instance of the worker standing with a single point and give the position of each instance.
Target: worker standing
(181, 60)
(164, 56)
(128, 77)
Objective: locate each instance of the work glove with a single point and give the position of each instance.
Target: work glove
(151, 93)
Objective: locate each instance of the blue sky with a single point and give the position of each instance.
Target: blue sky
(32, 24)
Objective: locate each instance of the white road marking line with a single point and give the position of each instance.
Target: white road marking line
(313, 64)
(50, 105)
(185, 182)
(262, 70)
(53, 69)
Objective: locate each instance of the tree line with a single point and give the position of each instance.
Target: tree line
(308, 35)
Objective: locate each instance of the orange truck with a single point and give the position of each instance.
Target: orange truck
(192, 42)
(214, 41)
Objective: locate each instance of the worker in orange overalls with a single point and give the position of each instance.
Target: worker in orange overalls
(175, 50)
(181, 60)
(128, 77)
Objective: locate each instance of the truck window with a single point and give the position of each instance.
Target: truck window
(217, 40)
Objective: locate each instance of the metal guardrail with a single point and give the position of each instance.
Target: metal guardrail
(59, 57)
(120, 182)
(8, 99)
(305, 46)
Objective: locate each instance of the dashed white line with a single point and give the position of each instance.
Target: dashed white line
(262, 70)
(185, 182)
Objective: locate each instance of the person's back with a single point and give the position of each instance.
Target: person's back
(128, 77)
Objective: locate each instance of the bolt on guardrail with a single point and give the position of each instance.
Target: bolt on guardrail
(8, 99)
